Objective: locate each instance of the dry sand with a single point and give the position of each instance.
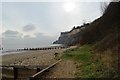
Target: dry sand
(41, 57)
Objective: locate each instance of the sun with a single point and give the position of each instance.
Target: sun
(69, 6)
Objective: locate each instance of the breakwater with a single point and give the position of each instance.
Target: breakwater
(43, 48)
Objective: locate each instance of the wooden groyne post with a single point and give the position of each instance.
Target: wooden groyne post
(15, 73)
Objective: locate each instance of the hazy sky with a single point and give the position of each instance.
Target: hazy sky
(42, 22)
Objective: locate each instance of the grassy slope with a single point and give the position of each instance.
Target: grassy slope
(89, 65)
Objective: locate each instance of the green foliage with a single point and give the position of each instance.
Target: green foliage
(90, 67)
(79, 53)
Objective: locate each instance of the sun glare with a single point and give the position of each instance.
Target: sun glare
(69, 6)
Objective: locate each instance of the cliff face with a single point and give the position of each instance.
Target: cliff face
(67, 37)
(70, 37)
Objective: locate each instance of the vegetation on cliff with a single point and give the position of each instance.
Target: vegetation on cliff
(104, 32)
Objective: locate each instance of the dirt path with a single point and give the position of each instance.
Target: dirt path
(64, 69)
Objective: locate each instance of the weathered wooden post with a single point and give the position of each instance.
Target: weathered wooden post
(32, 78)
(15, 73)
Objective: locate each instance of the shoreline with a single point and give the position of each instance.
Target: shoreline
(11, 52)
(21, 50)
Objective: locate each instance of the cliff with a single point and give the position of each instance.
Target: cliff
(70, 37)
(103, 32)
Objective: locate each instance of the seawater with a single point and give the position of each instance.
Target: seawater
(12, 49)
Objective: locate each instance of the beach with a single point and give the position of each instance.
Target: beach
(26, 62)
(40, 57)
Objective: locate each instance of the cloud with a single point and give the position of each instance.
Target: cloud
(27, 36)
(45, 39)
(39, 34)
(29, 27)
(11, 38)
(17, 41)
(11, 33)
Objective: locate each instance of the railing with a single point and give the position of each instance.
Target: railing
(43, 70)
(15, 69)
(39, 70)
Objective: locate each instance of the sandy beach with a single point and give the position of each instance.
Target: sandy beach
(41, 57)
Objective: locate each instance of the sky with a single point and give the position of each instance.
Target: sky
(40, 23)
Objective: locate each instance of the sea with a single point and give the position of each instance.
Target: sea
(13, 49)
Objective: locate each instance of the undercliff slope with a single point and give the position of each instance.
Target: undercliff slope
(105, 31)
